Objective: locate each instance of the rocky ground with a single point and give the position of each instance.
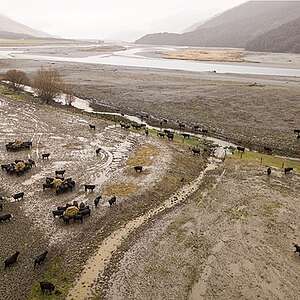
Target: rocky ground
(65, 134)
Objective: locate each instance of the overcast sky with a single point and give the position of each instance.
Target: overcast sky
(112, 19)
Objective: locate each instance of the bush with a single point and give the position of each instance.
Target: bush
(48, 84)
(17, 79)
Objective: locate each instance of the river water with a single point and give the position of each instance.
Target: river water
(133, 57)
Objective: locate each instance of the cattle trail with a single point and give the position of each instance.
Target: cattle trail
(96, 265)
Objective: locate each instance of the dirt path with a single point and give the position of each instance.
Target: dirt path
(96, 264)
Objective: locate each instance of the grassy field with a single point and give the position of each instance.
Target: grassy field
(268, 160)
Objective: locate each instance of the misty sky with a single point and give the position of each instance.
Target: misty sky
(112, 19)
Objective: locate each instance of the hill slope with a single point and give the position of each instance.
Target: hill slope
(285, 38)
(235, 27)
(10, 26)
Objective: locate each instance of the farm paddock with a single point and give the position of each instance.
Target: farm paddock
(66, 135)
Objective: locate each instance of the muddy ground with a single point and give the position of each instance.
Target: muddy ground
(65, 134)
(232, 240)
(227, 105)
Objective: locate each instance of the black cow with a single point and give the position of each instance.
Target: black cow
(161, 134)
(89, 187)
(45, 155)
(268, 150)
(170, 136)
(58, 213)
(297, 248)
(112, 201)
(181, 126)
(288, 170)
(40, 259)
(146, 132)
(5, 217)
(196, 127)
(85, 212)
(98, 151)
(78, 217)
(196, 151)
(204, 131)
(186, 135)
(97, 200)
(92, 127)
(1, 207)
(241, 149)
(138, 169)
(60, 172)
(18, 196)
(47, 186)
(11, 260)
(31, 161)
(297, 131)
(269, 171)
(47, 287)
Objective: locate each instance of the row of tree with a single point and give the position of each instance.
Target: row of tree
(46, 83)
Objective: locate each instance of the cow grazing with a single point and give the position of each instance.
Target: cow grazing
(31, 161)
(170, 136)
(161, 134)
(6, 217)
(112, 201)
(186, 135)
(138, 169)
(268, 150)
(97, 200)
(288, 170)
(47, 287)
(89, 187)
(269, 171)
(297, 248)
(58, 213)
(45, 155)
(241, 149)
(98, 151)
(85, 212)
(181, 126)
(11, 260)
(196, 151)
(60, 172)
(40, 259)
(93, 127)
(18, 196)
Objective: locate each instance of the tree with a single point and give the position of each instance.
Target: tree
(48, 84)
(69, 95)
(17, 79)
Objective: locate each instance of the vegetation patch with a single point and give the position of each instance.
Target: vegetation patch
(120, 189)
(269, 209)
(56, 276)
(143, 156)
(268, 160)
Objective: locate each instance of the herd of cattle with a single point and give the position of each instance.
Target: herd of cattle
(76, 211)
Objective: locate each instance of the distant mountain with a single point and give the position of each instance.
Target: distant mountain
(233, 28)
(8, 25)
(285, 38)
